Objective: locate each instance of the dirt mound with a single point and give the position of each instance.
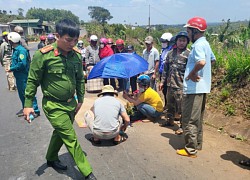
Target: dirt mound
(228, 106)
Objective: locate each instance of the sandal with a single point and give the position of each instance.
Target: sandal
(245, 162)
(94, 141)
(123, 137)
(179, 131)
(167, 124)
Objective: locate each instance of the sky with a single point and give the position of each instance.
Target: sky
(134, 12)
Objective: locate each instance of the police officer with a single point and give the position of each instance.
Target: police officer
(5, 57)
(172, 75)
(20, 68)
(58, 69)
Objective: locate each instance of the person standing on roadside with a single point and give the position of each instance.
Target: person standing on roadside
(50, 39)
(20, 67)
(196, 84)
(5, 58)
(92, 53)
(120, 48)
(151, 55)
(23, 41)
(41, 44)
(105, 51)
(165, 48)
(58, 69)
(133, 79)
(111, 44)
(172, 76)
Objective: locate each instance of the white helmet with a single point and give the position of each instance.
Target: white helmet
(166, 37)
(93, 38)
(80, 42)
(14, 37)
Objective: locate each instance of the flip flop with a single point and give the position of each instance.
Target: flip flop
(245, 162)
(124, 137)
(179, 131)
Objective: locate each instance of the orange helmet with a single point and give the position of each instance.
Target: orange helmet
(119, 41)
(110, 41)
(197, 23)
(42, 38)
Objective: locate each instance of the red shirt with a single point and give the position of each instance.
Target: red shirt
(106, 51)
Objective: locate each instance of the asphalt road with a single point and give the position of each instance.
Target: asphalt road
(149, 152)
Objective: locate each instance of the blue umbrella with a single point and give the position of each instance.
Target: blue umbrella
(120, 65)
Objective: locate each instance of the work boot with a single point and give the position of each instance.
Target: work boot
(20, 113)
(91, 176)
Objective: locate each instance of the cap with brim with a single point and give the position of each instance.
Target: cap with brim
(107, 89)
(149, 39)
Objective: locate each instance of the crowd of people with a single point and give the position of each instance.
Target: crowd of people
(184, 78)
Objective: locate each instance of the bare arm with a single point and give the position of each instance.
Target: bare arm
(156, 69)
(135, 101)
(193, 74)
(126, 119)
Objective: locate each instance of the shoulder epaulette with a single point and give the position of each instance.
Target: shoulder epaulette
(77, 50)
(46, 49)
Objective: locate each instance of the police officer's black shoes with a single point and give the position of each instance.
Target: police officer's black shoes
(57, 165)
(91, 176)
(20, 113)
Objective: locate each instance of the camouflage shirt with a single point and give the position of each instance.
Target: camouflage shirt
(174, 68)
(6, 52)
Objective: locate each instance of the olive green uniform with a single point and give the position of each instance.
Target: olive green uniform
(60, 78)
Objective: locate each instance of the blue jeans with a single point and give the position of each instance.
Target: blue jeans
(148, 110)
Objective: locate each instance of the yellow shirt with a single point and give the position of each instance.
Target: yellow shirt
(152, 98)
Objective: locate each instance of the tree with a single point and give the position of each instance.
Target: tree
(20, 11)
(99, 14)
(51, 14)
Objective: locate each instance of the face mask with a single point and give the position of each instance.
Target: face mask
(119, 48)
(101, 46)
(141, 89)
(164, 45)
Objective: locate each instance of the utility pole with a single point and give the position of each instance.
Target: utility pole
(149, 27)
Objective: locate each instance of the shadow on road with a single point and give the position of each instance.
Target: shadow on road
(104, 143)
(235, 157)
(176, 141)
(71, 172)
